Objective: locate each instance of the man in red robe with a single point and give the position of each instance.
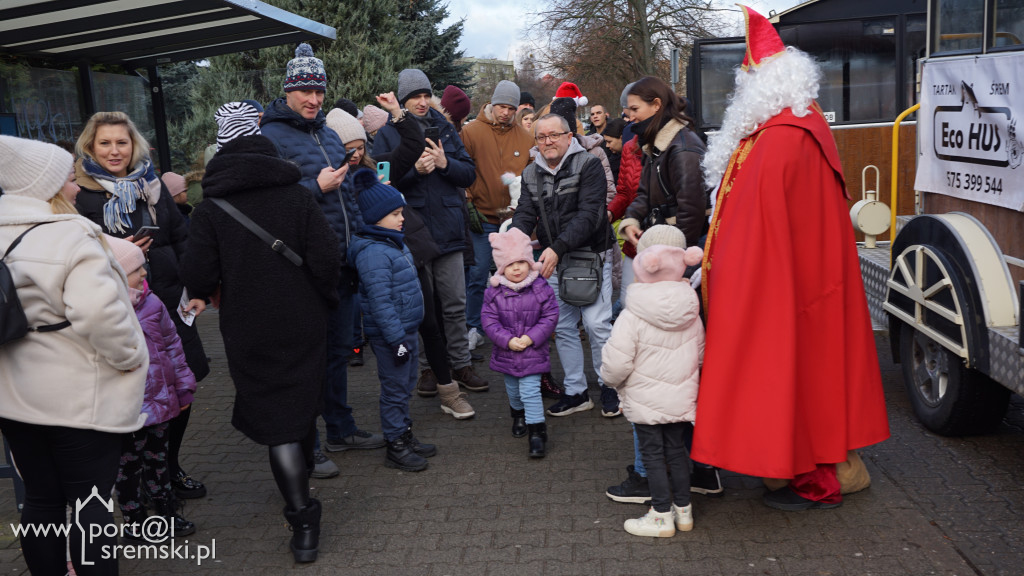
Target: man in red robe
(790, 381)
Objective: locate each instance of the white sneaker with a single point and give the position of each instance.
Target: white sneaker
(683, 517)
(475, 339)
(654, 524)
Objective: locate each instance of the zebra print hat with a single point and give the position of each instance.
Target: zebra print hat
(236, 119)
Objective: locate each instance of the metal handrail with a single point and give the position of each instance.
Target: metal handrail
(895, 160)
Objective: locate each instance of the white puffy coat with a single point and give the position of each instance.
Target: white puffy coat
(654, 354)
(72, 377)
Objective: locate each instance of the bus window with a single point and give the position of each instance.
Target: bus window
(913, 50)
(959, 25)
(1009, 23)
(718, 64)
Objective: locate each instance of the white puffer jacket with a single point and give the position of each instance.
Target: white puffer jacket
(72, 377)
(654, 354)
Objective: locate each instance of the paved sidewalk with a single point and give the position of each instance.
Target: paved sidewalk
(483, 507)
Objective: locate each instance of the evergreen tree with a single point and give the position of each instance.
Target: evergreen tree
(436, 52)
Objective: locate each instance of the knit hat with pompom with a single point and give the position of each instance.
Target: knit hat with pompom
(376, 199)
(305, 71)
(509, 247)
(660, 263)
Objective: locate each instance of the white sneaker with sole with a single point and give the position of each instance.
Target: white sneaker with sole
(683, 517)
(653, 524)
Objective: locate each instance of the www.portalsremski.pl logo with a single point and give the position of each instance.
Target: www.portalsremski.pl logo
(155, 536)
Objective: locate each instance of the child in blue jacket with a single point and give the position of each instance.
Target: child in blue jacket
(392, 305)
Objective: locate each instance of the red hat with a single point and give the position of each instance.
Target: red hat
(455, 102)
(763, 41)
(570, 90)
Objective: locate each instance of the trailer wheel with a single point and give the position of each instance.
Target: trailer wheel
(948, 397)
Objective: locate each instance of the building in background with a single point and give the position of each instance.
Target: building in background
(485, 74)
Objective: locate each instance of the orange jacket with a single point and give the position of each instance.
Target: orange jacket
(495, 150)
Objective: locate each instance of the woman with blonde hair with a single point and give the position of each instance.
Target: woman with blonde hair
(73, 384)
(121, 193)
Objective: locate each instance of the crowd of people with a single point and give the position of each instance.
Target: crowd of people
(407, 228)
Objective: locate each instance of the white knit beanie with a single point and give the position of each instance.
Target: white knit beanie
(661, 234)
(32, 168)
(348, 128)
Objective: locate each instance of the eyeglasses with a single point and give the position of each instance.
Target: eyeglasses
(548, 138)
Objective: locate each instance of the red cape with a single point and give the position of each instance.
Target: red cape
(790, 377)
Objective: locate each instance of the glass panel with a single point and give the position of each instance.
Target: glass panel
(128, 94)
(1009, 23)
(858, 61)
(718, 64)
(960, 24)
(914, 44)
(45, 103)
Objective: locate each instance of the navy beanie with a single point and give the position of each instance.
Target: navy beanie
(376, 199)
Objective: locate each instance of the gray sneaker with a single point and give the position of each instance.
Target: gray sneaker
(323, 468)
(361, 440)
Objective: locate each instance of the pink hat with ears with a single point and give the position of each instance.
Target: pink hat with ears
(508, 247)
(660, 263)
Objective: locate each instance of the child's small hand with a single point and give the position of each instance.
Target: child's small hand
(185, 407)
(526, 341)
(516, 345)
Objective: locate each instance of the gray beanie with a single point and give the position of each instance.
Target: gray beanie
(348, 128)
(506, 93)
(411, 82)
(32, 168)
(625, 93)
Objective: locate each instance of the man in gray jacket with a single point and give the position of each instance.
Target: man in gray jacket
(563, 199)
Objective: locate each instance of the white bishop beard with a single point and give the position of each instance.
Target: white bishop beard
(789, 80)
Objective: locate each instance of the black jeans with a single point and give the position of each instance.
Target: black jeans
(434, 346)
(663, 451)
(61, 465)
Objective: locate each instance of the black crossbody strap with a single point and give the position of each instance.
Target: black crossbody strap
(275, 244)
(48, 327)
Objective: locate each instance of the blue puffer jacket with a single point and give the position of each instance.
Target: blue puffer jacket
(439, 197)
(309, 144)
(389, 288)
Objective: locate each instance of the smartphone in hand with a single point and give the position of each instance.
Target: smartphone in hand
(348, 156)
(145, 232)
(384, 171)
(431, 133)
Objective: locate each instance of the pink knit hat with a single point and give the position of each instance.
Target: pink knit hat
(128, 255)
(373, 118)
(509, 247)
(660, 263)
(175, 183)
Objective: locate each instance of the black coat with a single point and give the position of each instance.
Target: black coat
(164, 254)
(273, 314)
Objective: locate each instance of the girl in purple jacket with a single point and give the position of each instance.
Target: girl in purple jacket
(519, 315)
(170, 385)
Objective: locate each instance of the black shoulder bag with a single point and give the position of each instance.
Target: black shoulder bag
(13, 322)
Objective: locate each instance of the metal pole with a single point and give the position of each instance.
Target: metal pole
(159, 118)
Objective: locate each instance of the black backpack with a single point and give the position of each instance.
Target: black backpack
(13, 323)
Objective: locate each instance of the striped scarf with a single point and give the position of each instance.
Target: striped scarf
(236, 119)
(124, 191)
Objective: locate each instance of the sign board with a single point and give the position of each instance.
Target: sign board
(970, 135)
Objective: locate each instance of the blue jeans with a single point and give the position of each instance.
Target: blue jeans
(396, 385)
(524, 394)
(597, 319)
(337, 413)
(476, 276)
(638, 462)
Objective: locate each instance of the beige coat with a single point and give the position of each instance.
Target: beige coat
(72, 377)
(654, 354)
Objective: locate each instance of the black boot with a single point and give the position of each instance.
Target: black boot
(518, 423)
(538, 437)
(305, 525)
(168, 508)
(132, 526)
(401, 454)
(425, 450)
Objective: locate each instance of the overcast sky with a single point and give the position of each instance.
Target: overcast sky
(494, 28)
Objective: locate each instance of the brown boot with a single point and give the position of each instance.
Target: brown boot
(453, 401)
(427, 384)
(469, 380)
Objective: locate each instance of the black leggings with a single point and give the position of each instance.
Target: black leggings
(61, 465)
(177, 434)
(434, 346)
(291, 464)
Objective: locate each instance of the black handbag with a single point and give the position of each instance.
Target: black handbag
(13, 323)
(579, 271)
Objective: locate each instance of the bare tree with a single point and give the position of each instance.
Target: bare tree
(604, 44)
